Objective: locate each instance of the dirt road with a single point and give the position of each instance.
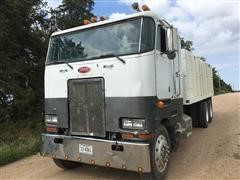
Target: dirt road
(212, 153)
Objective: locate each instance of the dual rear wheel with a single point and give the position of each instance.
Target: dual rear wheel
(201, 113)
(205, 113)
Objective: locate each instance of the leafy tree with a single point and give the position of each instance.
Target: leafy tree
(185, 44)
(22, 52)
(219, 85)
(203, 59)
(72, 13)
(24, 33)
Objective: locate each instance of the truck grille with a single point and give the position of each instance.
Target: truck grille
(86, 107)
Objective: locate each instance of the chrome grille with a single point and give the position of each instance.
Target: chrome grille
(86, 107)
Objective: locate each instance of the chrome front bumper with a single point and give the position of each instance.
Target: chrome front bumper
(133, 157)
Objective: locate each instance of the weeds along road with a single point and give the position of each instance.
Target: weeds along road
(212, 153)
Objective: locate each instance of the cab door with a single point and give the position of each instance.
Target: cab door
(164, 66)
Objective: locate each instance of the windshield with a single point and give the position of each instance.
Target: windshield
(118, 39)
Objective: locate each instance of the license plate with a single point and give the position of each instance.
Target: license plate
(86, 149)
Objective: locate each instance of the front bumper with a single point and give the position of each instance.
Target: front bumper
(133, 157)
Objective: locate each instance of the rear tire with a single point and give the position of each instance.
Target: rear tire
(193, 112)
(210, 110)
(159, 155)
(203, 114)
(66, 165)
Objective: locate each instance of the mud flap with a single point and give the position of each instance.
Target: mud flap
(185, 127)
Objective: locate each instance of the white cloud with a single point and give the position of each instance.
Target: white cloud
(215, 25)
(212, 25)
(202, 9)
(116, 15)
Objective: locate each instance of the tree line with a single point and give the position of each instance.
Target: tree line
(25, 28)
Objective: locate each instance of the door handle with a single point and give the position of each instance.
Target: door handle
(108, 66)
(63, 70)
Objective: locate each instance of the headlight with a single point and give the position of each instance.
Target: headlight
(51, 119)
(139, 124)
(128, 123)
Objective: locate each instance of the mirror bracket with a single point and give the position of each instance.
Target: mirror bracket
(171, 55)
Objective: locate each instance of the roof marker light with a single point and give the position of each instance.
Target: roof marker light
(145, 8)
(94, 19)
(101, 18)
(135, 6)
(85, 22)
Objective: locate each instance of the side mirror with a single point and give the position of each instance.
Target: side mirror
(172, 42)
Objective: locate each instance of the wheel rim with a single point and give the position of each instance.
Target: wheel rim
(161, 153)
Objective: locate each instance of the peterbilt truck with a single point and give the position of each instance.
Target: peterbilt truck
(121, 93)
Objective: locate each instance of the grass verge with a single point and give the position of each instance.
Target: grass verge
(19, 139)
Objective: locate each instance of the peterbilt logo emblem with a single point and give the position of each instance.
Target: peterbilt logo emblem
(84, 69)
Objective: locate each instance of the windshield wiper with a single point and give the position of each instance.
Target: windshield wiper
(113, 55)
(60, 62)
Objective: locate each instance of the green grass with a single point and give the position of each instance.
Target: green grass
(19, 139)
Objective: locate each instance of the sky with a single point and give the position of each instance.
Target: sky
(212, 25)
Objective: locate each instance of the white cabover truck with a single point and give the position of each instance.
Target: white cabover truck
(121, 93)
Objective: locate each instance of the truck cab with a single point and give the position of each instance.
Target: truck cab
(113, 95)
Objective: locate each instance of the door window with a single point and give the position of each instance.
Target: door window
(161, 40)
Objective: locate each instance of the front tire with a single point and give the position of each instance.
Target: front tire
(159, 152)
(66, 165)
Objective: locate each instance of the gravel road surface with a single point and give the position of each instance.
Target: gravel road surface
(212, 153)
